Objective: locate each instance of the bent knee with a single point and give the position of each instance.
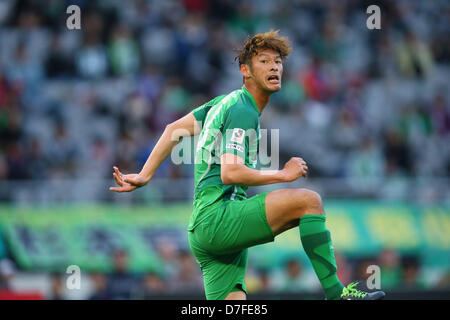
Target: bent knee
(311, 201)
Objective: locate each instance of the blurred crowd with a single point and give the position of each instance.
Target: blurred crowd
(180, 274)
(355, 102)
(181, 277)
(395, 272)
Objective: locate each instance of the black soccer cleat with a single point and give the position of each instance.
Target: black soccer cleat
(351, 293)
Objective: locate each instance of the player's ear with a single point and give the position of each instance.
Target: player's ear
(245, 70)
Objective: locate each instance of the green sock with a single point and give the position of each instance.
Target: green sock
(316, 241)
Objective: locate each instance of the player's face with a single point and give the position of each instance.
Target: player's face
(266, 70)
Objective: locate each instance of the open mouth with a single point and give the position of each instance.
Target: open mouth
(274, 79)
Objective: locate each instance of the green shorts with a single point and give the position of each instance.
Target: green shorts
(220, 243)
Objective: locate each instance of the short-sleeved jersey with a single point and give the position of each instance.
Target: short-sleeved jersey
(229, 124)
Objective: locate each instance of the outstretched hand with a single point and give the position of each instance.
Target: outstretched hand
(127, 182)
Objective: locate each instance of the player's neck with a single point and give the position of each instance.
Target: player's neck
(261, 97)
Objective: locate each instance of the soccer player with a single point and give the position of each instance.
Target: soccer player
(224, 222)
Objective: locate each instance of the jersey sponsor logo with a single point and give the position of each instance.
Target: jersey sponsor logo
(234, 146)
(238, 135)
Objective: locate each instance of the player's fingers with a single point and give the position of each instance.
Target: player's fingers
(118, 172)
(116, 189)
(305, 170)
(122, 189)
(117, 179)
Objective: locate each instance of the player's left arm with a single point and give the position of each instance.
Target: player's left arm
(183, 127)
(233, 171)
(236, 146)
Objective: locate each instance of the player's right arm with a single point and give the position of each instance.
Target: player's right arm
(188, 125)
(234, 172)
(185, 126)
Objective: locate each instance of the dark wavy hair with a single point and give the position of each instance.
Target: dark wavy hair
(261, 41)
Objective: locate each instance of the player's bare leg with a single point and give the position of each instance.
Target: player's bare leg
(285, 207)
(288, 208)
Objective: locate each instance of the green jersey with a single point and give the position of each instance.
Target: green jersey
(229, 124)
